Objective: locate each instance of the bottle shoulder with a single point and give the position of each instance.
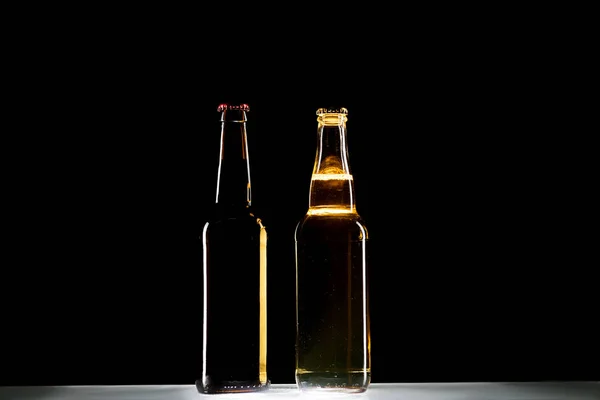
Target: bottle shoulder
(234, 216)
(330, 226)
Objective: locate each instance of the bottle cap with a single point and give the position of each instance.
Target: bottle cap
(237, 107)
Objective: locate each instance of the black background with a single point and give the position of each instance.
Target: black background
(480, 267)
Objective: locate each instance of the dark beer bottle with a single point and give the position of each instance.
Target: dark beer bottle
(332, 302)
(234, 257)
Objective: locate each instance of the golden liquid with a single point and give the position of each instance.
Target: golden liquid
(333, 334)
(329, 191)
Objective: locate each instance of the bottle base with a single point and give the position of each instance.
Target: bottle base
(330, 382)
(232, 387)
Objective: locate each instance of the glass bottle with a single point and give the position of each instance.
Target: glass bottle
(333, 351)
(234, 243)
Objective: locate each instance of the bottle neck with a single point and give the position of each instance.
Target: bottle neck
(332, 184)
(233, 177)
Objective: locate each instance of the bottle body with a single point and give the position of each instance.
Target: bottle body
(234, 333)
(234, 265)
(333, 338)
(331, 250)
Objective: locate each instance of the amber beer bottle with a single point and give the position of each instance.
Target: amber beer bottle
(234, 257)
(332, 302)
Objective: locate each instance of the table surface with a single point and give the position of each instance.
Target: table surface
(379, 391)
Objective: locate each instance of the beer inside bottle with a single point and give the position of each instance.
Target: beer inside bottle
(234, 243)
(332, 304)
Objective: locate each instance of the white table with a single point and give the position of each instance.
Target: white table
(378, 391)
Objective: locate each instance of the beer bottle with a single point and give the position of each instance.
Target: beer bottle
(234, 257)
(332, 302)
